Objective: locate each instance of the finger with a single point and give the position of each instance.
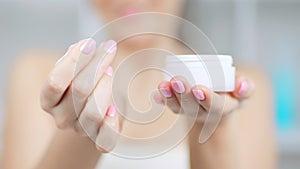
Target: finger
(64, 113)
(109, 131)
(168, 96)
(61, 76)
(214, 102)
(95, 109)
(182, 90)
(245, 87)
(85, 82)
(158, 98)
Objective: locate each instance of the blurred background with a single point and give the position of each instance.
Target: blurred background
(258, 32)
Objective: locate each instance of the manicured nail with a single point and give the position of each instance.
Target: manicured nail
(109, 71)
(110, 46)
(166, 92)
(69, 49)
(178, 86)
(88, 46)
(158, 99)
(198, 94)
(111, 111)
(243, 87)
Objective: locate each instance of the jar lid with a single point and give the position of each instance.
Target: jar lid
(199, 58)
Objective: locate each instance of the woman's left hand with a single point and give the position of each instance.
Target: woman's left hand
(182, 98)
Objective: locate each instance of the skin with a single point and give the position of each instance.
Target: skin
(247, 125)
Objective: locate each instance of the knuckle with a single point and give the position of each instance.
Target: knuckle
(92, 115)
(172, 102)
(62, 123)
(80, 130)
(91, 112)
(79, 90)
(54, 86)
(184, 100)
(45, 107)
(218, 109)
(74, 59)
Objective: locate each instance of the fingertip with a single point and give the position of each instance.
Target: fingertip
(166, 92)
(109, 71)
(243, 88)
(163, 84)
(199, 94)
(111, 111)
(88, 46)
(178, 86)
(158, 98)
(110, 46)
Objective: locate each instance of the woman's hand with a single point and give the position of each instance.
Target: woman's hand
(78, 93)
(181, 97)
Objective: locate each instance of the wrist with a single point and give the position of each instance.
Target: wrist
(224, 128)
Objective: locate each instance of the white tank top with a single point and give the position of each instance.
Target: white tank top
(177, 158)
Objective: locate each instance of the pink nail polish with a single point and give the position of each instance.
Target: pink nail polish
(178, 86)
(166, 92)
(110, 46)
(158, 99)
(88, 46)
(109, 71)
(199, 94)
(243, 87)
(111, 111)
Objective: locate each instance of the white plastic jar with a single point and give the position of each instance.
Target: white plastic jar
(213, 71)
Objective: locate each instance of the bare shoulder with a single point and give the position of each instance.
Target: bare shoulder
(256, 119)
(260, 78)
(24, 117)
(34, 61)
(27, 76)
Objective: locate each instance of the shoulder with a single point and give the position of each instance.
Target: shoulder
(29, 71)
(33, 64)
(33, 59)
(263, 96)
(259, 76)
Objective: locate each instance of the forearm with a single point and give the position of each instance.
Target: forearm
(70, 151)
(240, 142)
(246, 137)
(219, 151)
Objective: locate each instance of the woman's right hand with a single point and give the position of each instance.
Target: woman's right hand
(78, 93)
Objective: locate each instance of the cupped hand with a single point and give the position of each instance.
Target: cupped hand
(183, 98)
(77, 93)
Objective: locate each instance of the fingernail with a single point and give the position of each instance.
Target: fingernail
(109, 71)
(158, 99)
(110, 46)
(243, 87)
(198, 94)
(111, 111)
(166, 92)
(69, 49)
(178, 86)
(88, 46)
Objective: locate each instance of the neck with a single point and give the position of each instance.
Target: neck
(126, 49)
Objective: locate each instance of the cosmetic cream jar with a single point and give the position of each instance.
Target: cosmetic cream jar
(213, 71)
